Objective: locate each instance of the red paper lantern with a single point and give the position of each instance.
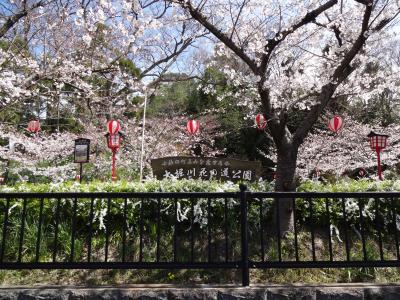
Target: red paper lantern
(261, 121)
(113, 126)
(192, 126)
(335, 124)
(33, 126)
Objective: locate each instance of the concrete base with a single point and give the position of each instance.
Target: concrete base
(202, 292)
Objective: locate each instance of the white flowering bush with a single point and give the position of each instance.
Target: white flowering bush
(155, 186)
(121, 214)
(151, 185)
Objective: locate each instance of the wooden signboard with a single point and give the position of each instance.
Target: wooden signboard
(206, 168)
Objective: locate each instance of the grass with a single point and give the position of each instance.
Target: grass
(276, 276)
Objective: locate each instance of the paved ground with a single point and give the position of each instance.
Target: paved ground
(218, 292)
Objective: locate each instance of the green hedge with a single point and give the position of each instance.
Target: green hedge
(147, 186)
(351, 185)
(346, 185)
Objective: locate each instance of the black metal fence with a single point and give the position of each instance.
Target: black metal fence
(238, 230)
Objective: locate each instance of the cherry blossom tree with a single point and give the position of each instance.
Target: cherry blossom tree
(51, 154)
(299, 55)
(346, 152)
(295, 56)
(93, 55)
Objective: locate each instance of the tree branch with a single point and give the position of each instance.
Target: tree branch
(12, 20)
(199, 17)
(237, 19)
(280, 36)
(385, 22)
(340, 74)
(335, 29)
(178, 50)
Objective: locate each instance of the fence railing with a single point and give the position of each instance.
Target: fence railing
(238, 230)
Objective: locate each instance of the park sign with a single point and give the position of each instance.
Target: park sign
(81, 154)
(82, 149)
(205, 168)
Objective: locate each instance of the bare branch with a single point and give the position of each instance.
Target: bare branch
(237, 18)
(12, 20)
(180, 46)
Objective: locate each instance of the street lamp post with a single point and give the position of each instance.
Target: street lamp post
(143, 130)
(114, 143)
(378, 142)
(114, 138)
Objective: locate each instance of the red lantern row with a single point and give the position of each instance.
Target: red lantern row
(335, 124)
(193, 125)
(113, 126)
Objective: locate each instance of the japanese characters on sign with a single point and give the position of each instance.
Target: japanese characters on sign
(206, 168)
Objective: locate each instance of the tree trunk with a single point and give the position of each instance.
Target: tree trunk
(285, 182)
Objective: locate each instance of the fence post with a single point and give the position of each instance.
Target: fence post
(244, 234)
